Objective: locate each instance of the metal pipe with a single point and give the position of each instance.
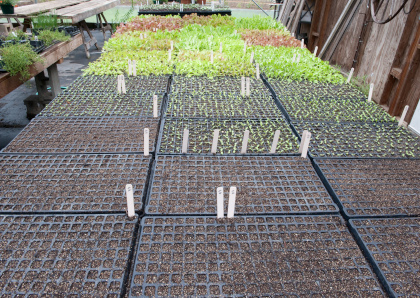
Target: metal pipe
(260, 8)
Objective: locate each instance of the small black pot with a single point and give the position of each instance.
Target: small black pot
(36, 43)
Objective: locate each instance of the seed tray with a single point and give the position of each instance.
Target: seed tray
(305, 90)
(250, 256)
(69, 183)
(374, 187)
(100, 104)
(221, 105)
(267, 184)
(359, 140)
(225, 84)
(85, 135)
(261, 134)
(393, 248)
(64, 255)
(108, 84)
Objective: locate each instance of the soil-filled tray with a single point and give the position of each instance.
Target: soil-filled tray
(64, 255)
(393, 247)
(266, 184)
(359, 140)
(261, 135)
(68, 183)
(250, 256)
(109, 84)
(374, 187)
(232, 85)
(221, 105)
(85, 135)
(334, 110)
(102, 104)
(306, 90)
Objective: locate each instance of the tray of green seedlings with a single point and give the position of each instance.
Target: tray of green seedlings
(71, 183)
(373, 187)
(175, 8)
(85, 135)
(367, 140)
(231, 134)
(84, 255)
(197, 104)
(250, 256)
(72, 104)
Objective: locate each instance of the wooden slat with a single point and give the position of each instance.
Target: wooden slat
(81, 12)
(396, 73)
(38, 8)
(51, 56)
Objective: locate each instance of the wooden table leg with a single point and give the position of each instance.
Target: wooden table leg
(54, 80)
(41, 82)
(88, 43)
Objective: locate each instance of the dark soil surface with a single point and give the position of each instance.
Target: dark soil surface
(60, 256)
(40, 183)
(187, 185)
(84, 135)
(250, 256)
(394, 245)
(375, 187)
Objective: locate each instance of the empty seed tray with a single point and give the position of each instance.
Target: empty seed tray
(354, 140)
(266, 184)
(100, 104)
(374, 187)
(71, 183)
(64, 255)
(221, 105)
(85, 135)
(393, 248)
(250, 256)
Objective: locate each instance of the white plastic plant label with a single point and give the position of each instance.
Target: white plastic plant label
(302, 142)
(155, 106)
(245, 142)
(257, 66)
(231, 205)
(130, 70)
(221, 48)
(275, 141)
(185, 141)
(404, 113)
(350, 75)
(134, 68)
(306, 142)
(146, 142)
(248, 87)
(252, 57)
(370, 93)
(215, 141)
(130, 201)
(316, 51)
(242, 86)
(220, 211)
(302, 44)
(172, 44)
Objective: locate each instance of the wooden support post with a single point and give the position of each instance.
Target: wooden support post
(54, 80)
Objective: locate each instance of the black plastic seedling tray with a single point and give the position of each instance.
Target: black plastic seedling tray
(221, 105)
(250, 256)
(373, 187)
(65, 255)
(100, 104)
(85, 135)
(231, 135)
(265, 185)
(71, 183)
(356, 140)
(392, 245)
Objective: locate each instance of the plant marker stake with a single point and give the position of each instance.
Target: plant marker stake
(185, 141)
(134, 68)
(220, 211)
(245, 47)
(252, 57)
(36, 38)
(129, 68)
(145, 35)
(298, 58)
(169, 55)
(293, 35)
(248, 87)
(316, 50)
(172, 44)
(155, 106)
(350, 75)
(119, 84)
(245, 142)
(306, 144)
(215, 140)
(275, 141)
(258, 70)
(212, 5)
(123, 84)
(404, 113)
(302, 44)
(232, 199)
(302, 142)
(234, 32)
(243, 86)
(146, 142)
(221, 48)
(294, 58)
(211, 57)
(130, 200)
(370, 93)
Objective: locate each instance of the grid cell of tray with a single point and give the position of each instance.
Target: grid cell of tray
(367, 140)
(221, 105)
(101, 104)
(68, 183)
(230, 137)
(85, 135)
(374, 187)
(60, 256)
(250, 256)
(393, 246)
(266, 184)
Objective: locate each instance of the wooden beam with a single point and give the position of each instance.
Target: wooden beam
(396, 72)
(297, 16)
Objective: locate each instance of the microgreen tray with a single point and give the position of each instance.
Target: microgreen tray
(266, 184)
(357, 140)
(230, 138)
(373, 187)
(71, 183)
(250, 256)
(392, 246)
(85, 135)
(65, 255)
